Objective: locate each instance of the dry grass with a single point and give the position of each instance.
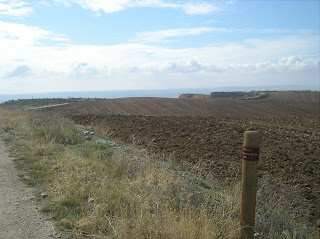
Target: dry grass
(101, 190)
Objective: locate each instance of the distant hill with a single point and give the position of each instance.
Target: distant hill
(276, 96)
(167, 93)
(275, 104)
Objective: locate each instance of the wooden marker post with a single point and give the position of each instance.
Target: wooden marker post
(250, 159)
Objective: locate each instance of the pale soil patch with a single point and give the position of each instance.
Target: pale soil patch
(48, 106)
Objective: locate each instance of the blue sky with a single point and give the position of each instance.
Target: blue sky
(81, 45)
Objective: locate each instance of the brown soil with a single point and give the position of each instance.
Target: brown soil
(293, 96)
(188, 107)
(290, 149)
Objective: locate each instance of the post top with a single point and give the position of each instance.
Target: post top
(251, 139)
(251, 132)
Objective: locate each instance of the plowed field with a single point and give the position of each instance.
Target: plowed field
(290, 149)
(187, 107)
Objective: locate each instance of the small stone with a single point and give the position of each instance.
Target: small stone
(101, 141)
(318, 223)
(91, 200)
(44, 195)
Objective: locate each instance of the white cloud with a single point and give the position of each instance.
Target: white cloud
(90, 77)
(14, 8)
(168, 34)
(106, 6)
(20, 71)
(199, 8)
(28, 65)
(45, 3)
(163, 35)
(110, 6)
(15, 35)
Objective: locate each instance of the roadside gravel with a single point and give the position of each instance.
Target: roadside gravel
(19, 210)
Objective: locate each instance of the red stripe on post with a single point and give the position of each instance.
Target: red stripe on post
(250, 154)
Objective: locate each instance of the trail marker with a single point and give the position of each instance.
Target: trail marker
(250, 159)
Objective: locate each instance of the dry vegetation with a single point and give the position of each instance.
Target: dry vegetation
(289, 150)
(35, 103)
(101, 189)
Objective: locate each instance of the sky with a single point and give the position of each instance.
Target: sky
(96, 45)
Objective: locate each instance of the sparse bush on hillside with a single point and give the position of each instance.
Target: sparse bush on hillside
(99, 189)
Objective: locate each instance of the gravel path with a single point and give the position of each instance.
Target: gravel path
(19, 215)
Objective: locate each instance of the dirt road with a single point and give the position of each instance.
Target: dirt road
(19, 215)
(47, 106)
